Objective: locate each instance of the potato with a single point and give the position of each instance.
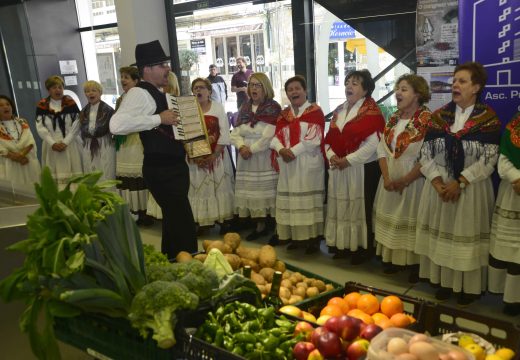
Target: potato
(232, 239)
(183, 256)
(201, 257)
(267, 273)
(287, 284)
(294, 299)
(319, 284)
(294, 279)
(205, 244)
(233, 260)
(302, 284)
(286, 275)
(279, 266)
(298, 276)
(267, 256)
(248, 253)
(308, 281)
(217, 244)
(300, 291)
(257, 278)
(285, 293)
(268, 288)
(261, 288)
(329, 287)
(312, 291)
(246, 262)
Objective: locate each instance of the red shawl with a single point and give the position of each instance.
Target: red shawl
(312, 115)
(368, 120)
(213, 128)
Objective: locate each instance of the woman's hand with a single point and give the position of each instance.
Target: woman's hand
(333, 161)
(399, 185)
(388, 184)
(59, 146)
(342, 163)
(452, 191)
(245, 152)
(516, 186)
(439, 186)
(287, 155)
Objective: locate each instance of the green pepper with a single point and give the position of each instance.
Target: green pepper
(219, 338)
(275, 332)
(237, 350)
(270, 343)
(249, 347)
(229, 343)
(280, 354)
(244, 337)
(251, 326)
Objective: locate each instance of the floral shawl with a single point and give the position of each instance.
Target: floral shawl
(368, 120)
(482, 126)
(68, 107)
(510, 144)
(266, 112)
(413, 132)
(103, 116)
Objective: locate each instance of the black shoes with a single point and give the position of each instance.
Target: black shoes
(391, 269)
(341, 254)
(466, 299)
(443, 294)
(257, 234)
(511, 309)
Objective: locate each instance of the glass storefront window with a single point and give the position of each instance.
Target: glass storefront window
(232, 54)
(220, 55)
(95, 12)
(245, 50)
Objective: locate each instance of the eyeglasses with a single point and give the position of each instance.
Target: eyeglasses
(165, 64)
(195, 88)
(256, 85)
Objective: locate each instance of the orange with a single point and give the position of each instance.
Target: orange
(368, 303)
(339, 302)
(332, 310)
(385, 324)
(352, 299)
(354, 312)
(391, 305)
(367, 319)
(400, 320)
(379, 317)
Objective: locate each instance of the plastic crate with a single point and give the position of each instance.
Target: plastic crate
(109, 338)
(441, 319)
(197, 349)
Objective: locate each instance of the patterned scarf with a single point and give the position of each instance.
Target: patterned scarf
(413, 132)
(103, 116)
(68, 107)
(18, 122)
(482, 126)
(368, 120)
(266, 112)
(510, 144)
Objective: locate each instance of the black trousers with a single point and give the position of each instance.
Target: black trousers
(372, 175)
(169, 186)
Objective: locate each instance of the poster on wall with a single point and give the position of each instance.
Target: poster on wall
(439, 79)
(490, 34)
(436, 34)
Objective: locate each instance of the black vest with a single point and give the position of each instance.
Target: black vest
(160, 146)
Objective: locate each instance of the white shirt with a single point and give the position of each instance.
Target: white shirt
(461, 116)
(55, 105)
(135, 113)
(92, 117)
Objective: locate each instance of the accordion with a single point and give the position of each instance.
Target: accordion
(191, 129)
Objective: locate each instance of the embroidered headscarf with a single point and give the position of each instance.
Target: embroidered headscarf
(414, 131)
(266, 112)
(510, 144)
(482, 125)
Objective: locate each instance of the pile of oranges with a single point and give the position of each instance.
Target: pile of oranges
(366, 307)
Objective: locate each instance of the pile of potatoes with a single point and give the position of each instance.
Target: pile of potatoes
(263, 262)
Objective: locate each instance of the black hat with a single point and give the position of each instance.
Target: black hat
(149, 53)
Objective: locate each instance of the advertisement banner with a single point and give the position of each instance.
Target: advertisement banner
(489, 33)
(436, 32)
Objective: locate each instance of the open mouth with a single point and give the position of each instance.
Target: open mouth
(199, 95)
(349, 93)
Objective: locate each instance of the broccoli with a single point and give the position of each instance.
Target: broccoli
(197, 277)
(154, 306)
(152, 256)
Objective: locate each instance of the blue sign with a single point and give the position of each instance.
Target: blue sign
(490, 34)
(341, 31)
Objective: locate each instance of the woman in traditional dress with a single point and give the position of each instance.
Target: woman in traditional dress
(401, 183)
(99, 152)
(211, 177)
(18, 162)
(458, 156)
(298, 142)
(57, 125)
(153, 209)
(351, 144)
(129, 159)
(256, 179)
(504, 260)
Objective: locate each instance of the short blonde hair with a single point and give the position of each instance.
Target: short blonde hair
(206, 82)
(173, 85)
(266, 84)
(54, 80)
(92, 84)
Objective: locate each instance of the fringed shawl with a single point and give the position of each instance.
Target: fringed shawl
(368, 120)
(68, 107)
(266, 112)
(510, 144)
(482, 126)
(103, 116)
(414, 131)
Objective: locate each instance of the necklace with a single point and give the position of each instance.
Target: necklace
(10, 132)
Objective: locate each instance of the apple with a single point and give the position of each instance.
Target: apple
(350, 327)
(370, 331)
(316, 334)
(303, 327)
(358, 349)
(315, 355)
(333, 324)
(302, 350)
(329, 344)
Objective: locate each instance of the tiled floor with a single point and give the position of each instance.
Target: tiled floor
(14, 345)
